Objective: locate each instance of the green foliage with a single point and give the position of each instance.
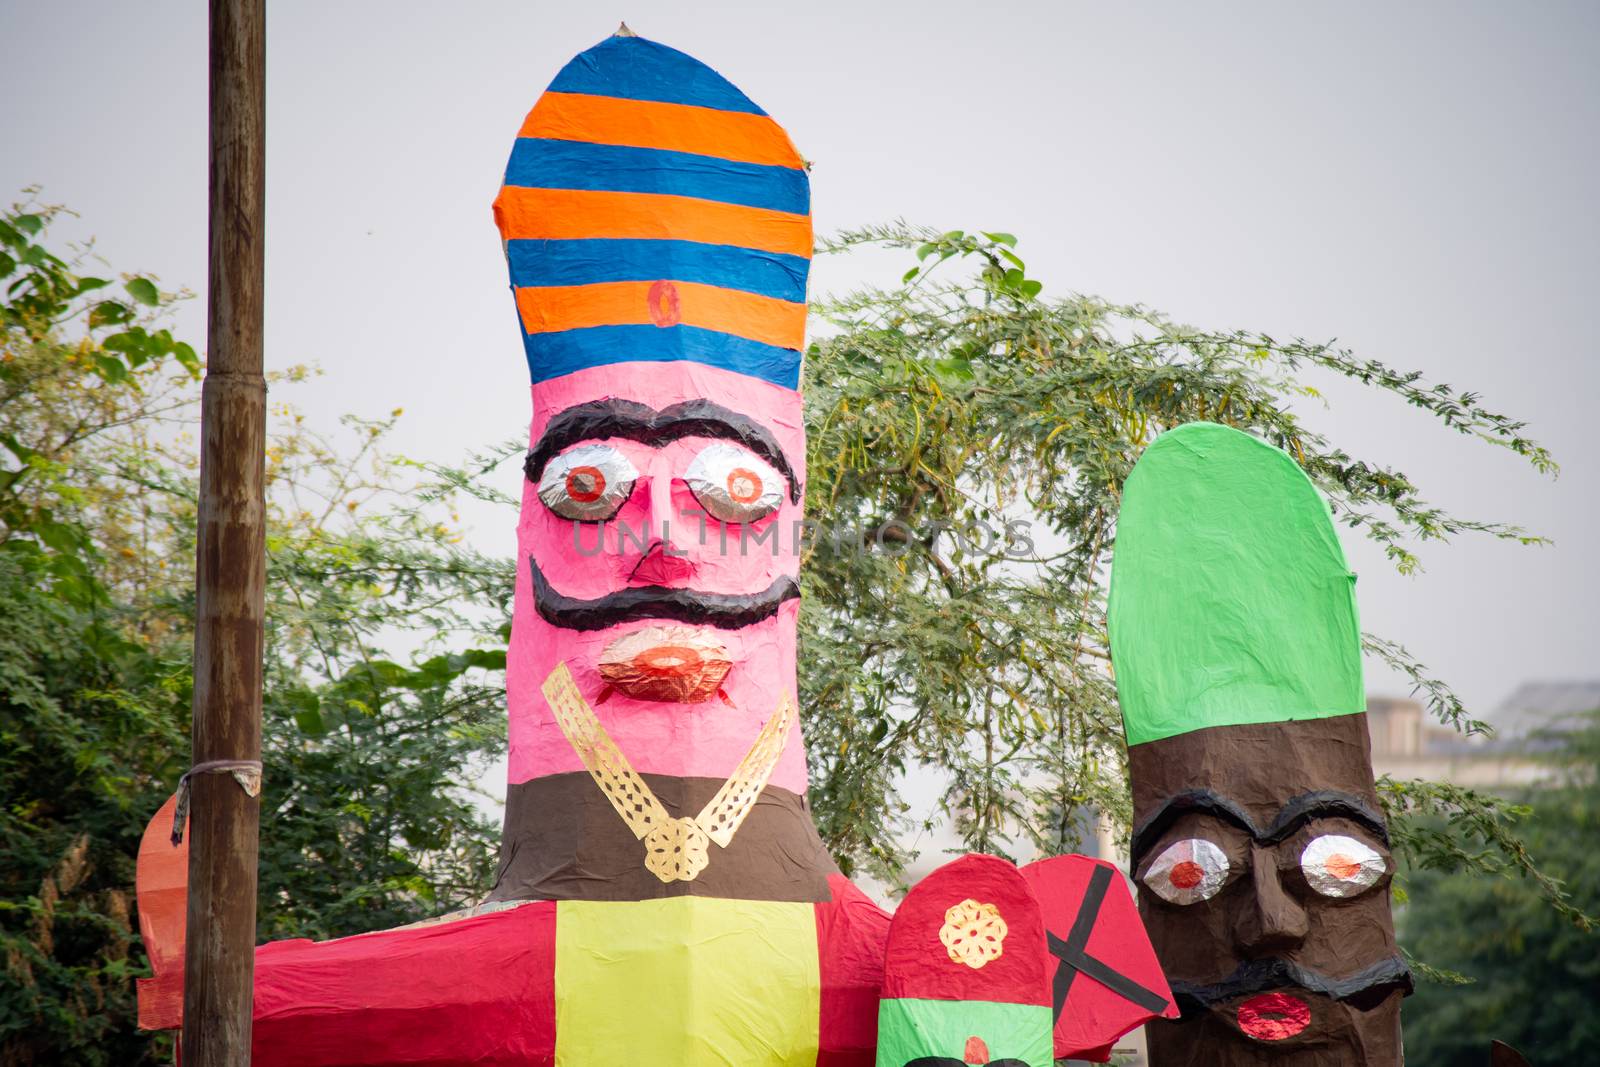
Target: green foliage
(385, 648)
(372, 820)
(94, 691)
(1533, 973)
(89, 736)
(959, 397)
(1451, 829)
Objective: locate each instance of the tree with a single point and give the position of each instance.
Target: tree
(368, 817)
(1527, 977)
(93, 687)
(939, 412)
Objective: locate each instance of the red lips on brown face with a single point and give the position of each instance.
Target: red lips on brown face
(675, 664)
(1273, 1016)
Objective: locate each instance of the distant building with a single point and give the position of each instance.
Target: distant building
(1538, 706)
(1407, 743)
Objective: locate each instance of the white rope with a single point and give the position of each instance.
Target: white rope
(247, 772)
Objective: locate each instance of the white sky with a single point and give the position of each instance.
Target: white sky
(1418, 180)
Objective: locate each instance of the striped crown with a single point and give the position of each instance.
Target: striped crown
(652, 212)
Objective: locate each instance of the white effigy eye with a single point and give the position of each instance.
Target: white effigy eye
(1188, 871)
(1339, 866)
(588, 484)
(733, 485)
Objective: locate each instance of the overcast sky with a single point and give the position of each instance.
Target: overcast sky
(1416, 180)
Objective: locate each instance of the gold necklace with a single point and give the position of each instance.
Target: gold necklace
(675, 848)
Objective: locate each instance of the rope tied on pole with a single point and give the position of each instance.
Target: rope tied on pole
(247, 772)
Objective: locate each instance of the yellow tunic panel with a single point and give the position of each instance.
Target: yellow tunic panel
(687, 981)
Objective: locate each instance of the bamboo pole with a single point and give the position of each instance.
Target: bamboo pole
(230, 577)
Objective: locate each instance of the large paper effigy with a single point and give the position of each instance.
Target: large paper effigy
(663, 895)
(1259, 846)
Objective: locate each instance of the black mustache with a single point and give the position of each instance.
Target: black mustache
(726, 611)
(1261, 976)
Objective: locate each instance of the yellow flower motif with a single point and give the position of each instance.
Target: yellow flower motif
(973, 933)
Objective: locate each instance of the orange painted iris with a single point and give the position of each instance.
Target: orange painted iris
(1341, 866)
(744, 485)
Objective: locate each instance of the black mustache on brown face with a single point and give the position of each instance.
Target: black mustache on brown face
(726, 611)
(1365, 989)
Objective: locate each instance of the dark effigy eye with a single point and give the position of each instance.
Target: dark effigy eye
(1340, 866)
(1188, 871)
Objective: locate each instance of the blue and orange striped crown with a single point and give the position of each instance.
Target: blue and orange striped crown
(652, 212)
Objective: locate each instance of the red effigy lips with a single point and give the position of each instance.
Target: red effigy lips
(675, 664)
(1273, 1016)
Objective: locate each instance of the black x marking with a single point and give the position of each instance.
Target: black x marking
(1075, 959)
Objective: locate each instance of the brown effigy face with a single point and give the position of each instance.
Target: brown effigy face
(1263, 869)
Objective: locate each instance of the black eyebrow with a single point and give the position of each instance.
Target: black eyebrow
(1325, 804)
(640, 422)
(1175, 807)
(1320, 804)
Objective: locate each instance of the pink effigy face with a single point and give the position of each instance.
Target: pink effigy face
(657, 560)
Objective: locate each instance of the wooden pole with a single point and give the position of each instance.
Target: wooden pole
(230, 577)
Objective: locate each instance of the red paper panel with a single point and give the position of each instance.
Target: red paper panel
(1094, 1016)
(478, 991)
(851, 931)
(918, 964)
